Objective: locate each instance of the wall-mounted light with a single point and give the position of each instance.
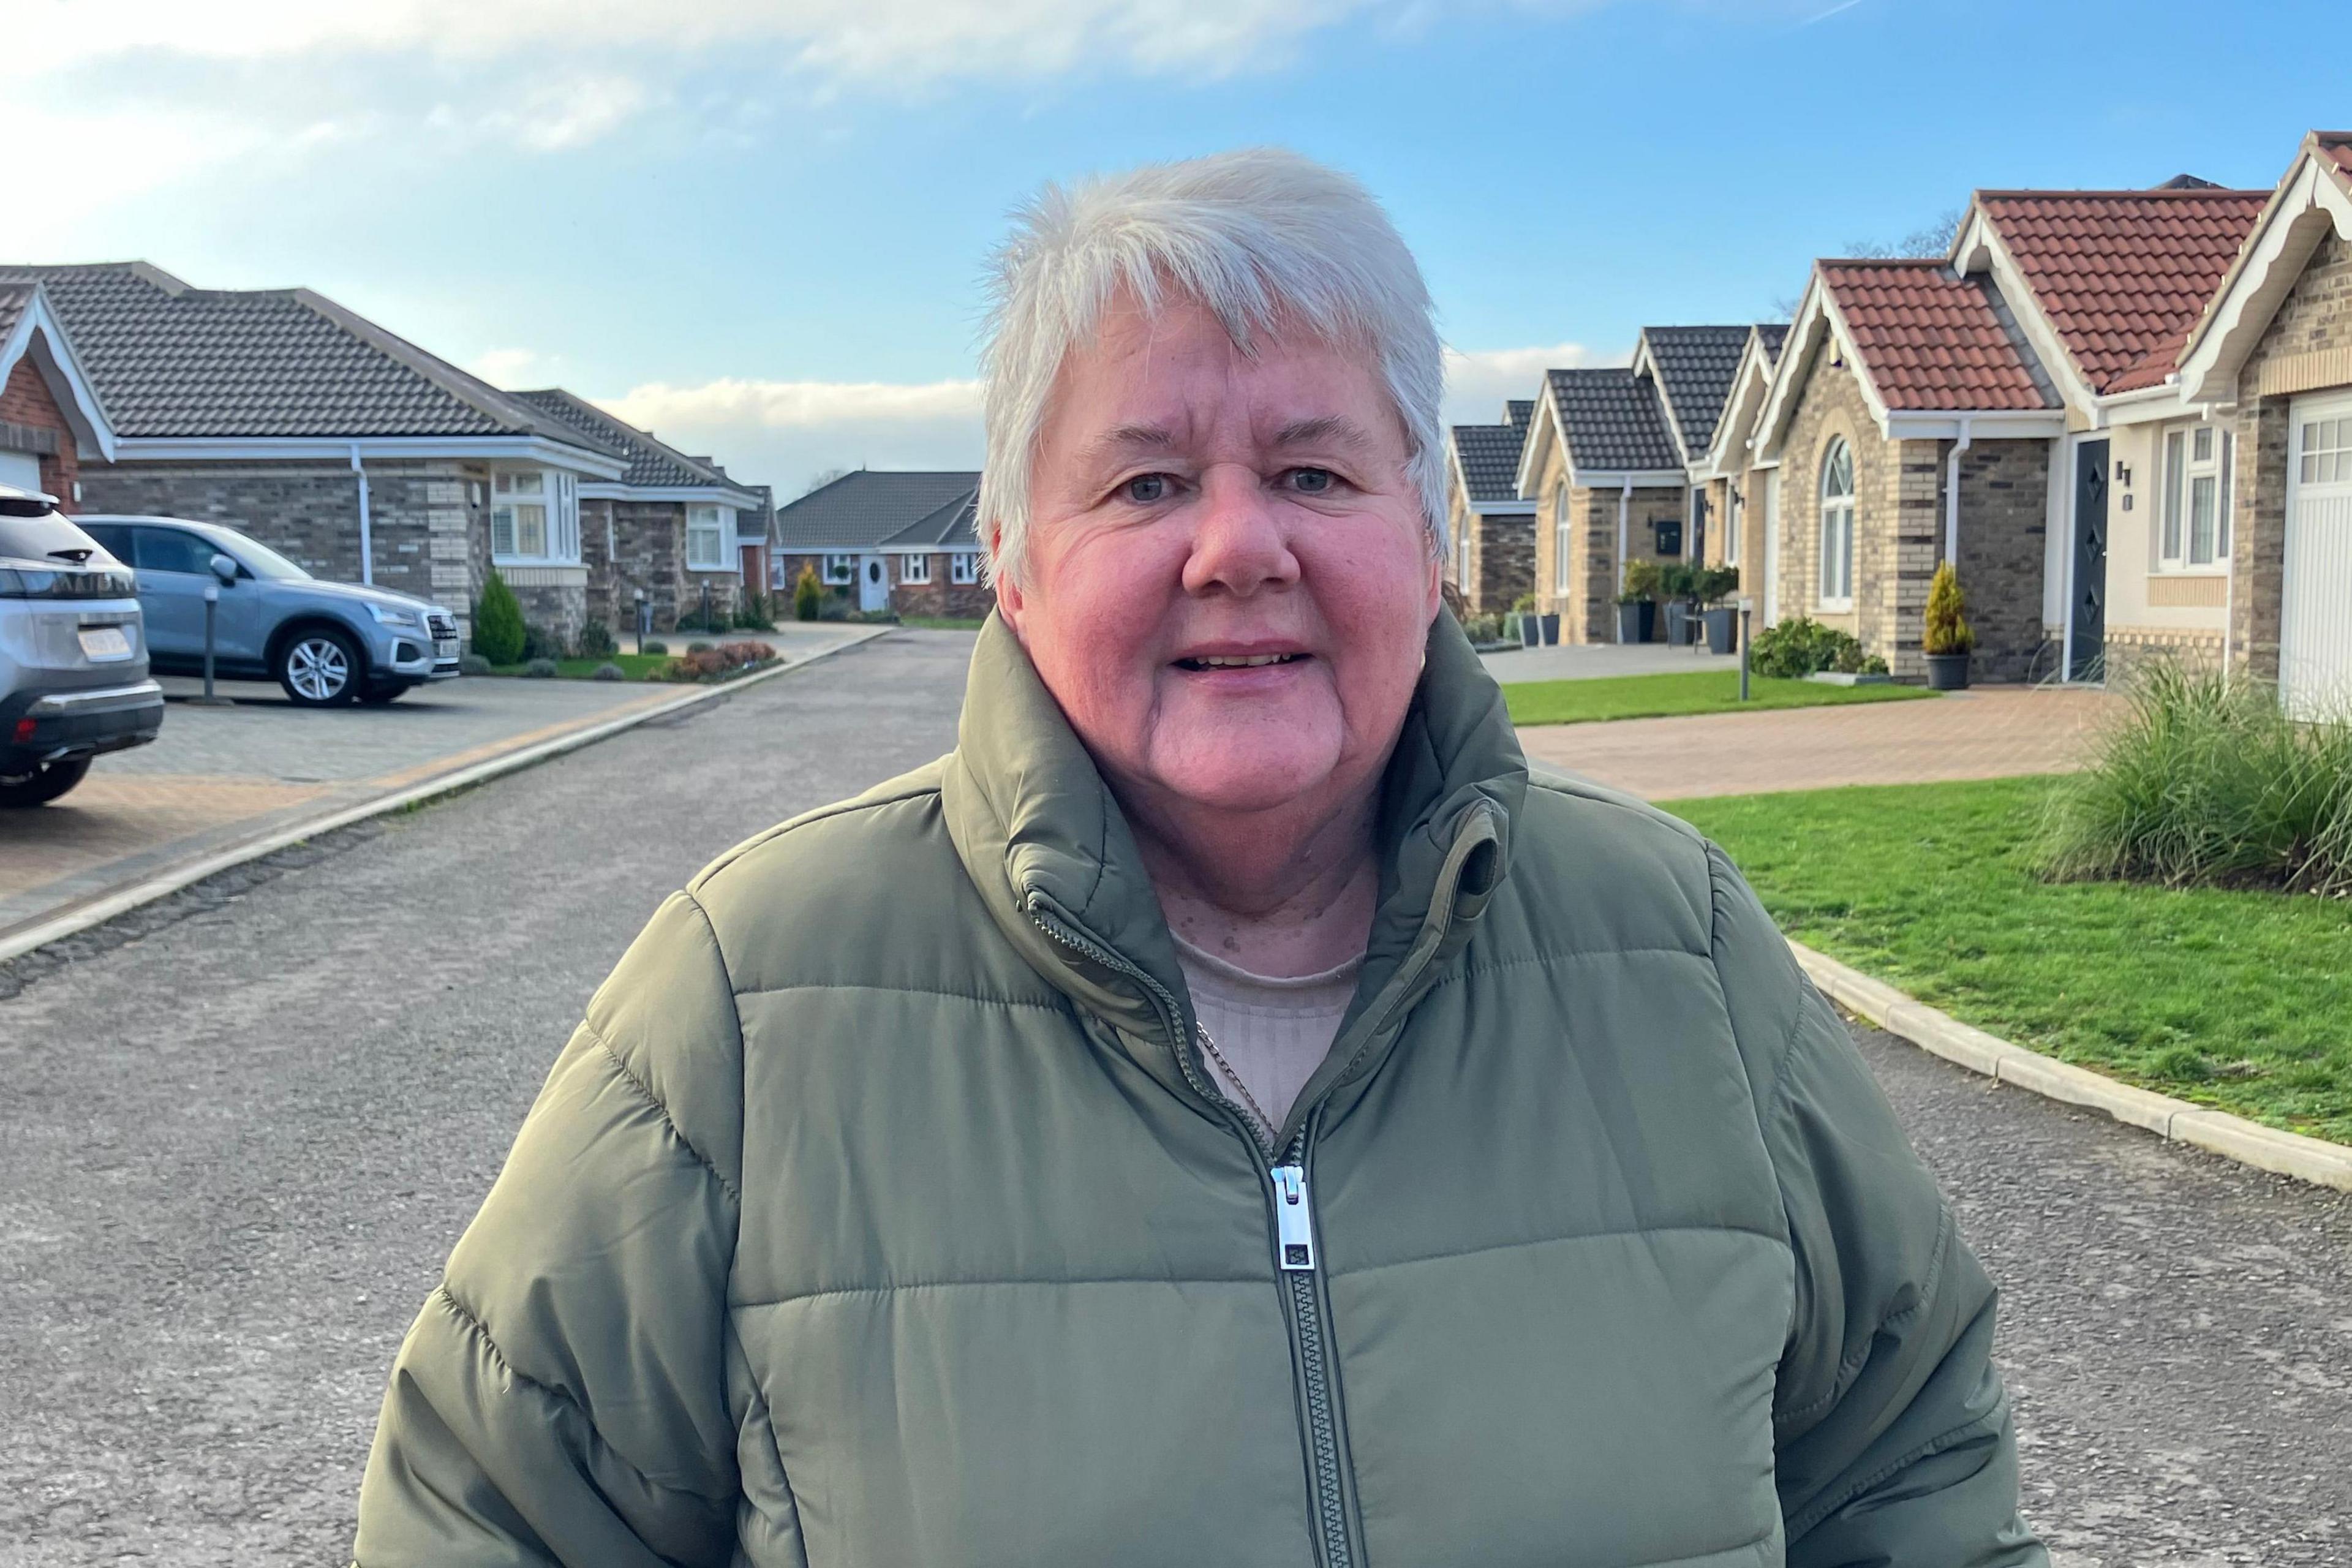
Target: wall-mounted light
(2123, 472)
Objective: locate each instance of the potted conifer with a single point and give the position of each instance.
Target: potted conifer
(1637, 603)
(1715, 587)
(1947, 640)
(1529, 623)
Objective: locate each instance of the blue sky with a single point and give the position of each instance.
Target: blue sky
(756, 225)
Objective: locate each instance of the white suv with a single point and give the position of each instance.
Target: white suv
(73, 653)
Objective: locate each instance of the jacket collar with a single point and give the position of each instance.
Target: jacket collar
(1045, 842)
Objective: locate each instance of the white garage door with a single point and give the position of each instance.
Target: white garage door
(20, 469)
(2315, 613)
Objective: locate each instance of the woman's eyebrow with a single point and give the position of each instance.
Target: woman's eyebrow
(1123, 440)
(1328, 428)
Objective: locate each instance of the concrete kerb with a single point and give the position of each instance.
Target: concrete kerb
(108, 906)
(2310, 1160)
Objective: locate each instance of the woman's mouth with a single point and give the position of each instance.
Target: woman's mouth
(1237, 660)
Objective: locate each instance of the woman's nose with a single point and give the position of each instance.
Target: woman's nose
(1239, 542)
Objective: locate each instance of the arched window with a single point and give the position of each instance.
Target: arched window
(1837, 527)
(1559, 539)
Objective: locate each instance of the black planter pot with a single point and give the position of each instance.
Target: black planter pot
(1723, 631)
(1637, 622)
(1530, 629)
(1947, 672)
(1551, 628)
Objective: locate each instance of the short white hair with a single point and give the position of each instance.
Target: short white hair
(1258, 238)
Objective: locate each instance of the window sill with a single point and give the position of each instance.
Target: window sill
(536, 561)
(2161, 569)
(724, 567)
(1833, 607)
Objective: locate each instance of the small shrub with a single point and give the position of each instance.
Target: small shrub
(538, 642)
(1485, 628)
(654, 646)
(1677, 580)
(808, 595)
(472, 664)
(596, 641)
(1525, 605)
(2206, 781)
(1947, 629)
(608, 671)
(539, 670)
(1715, 584)
(697, 647)
(755, 614)
(1642, 580)
(498, 622)
(1799, 647)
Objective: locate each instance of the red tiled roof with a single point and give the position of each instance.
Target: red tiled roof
(1928, 340)
(2335, 146)
(2123, 275)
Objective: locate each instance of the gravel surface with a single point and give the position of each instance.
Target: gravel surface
(242, 1128)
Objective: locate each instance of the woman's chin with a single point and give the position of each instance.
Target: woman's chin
(1250, 779)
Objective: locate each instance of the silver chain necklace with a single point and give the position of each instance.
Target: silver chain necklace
(1234, 1078)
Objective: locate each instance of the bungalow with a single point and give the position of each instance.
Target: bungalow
(2273, 355)
(1492, 561)
(664, 534)
(1743, 497)
(888, 540)
(355, 453)
(1694, 370)
(1906, 404)
(2104, 287)
(1609, 486)
(50, 420)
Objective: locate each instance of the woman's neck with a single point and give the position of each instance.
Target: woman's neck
(1264, 891)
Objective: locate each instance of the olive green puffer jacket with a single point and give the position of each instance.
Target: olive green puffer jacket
(881, 1215)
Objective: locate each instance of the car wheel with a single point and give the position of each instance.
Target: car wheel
(379, 696)
(319, 668)
(40, 788)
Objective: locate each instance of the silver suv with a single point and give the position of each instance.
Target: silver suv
(325, 643)
(73, 653)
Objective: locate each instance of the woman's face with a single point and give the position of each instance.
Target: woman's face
(1228, 583)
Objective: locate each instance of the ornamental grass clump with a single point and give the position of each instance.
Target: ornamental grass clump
(2207, 782)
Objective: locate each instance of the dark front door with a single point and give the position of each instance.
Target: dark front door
(2087, 649)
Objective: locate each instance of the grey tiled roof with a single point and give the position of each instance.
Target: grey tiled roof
(948, 528)
(651, 462)
(1694, 368)
(1517, 411)
(1612, 420)
(1489, 456)
(1774, 334)
(862, 510)
(169, 360)
(15, 298)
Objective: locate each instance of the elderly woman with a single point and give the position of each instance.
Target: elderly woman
(1226, 1113)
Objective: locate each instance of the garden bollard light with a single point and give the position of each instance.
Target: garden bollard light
(212, 614)
(1744, 613)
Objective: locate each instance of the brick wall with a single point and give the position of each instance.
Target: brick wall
(1502, 562)
(938, 598)
(2004, 528)
(631, 546)
(2314, 318)
(40, 427)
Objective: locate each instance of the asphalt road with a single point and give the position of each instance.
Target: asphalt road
(239, 1130)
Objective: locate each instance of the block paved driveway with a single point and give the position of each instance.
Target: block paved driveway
(1985, 733)
(242, 1127)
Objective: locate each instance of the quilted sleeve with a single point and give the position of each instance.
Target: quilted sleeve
(1892, 1438)
(562, 1397)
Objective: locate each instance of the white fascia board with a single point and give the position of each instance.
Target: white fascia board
(37, 332)
(1747, 383)
(2309, 201)
(1543, 425)
(386, 448)
(1502, 509)
(1797, 353)
(1844, 336)
(1983, 425)
(700, 495)
(1981, 248)
(1618, 479)
(2146, 406)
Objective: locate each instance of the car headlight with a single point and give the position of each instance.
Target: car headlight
(389, 615)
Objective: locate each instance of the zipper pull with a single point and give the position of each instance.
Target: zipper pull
(1293, 1220)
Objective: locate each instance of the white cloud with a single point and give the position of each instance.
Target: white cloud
(1478, 382)
(781, 433)
(516, 368)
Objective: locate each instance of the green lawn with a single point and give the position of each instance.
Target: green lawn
(635, 666)
(1665, 696)
(2235, 999)
(942, 622)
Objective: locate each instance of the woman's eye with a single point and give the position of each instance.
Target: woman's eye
(1312, 481)
(1147, 487)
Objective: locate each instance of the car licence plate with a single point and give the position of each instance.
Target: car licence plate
(444, 647)
(102, 643)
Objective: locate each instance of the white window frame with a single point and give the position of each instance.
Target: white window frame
(915, 567)
(2324, 450)
(1833, 582)
(556, 492)
(1559, 539)
(2185, 476)
(963, 567)
(840, 571)
(712, 525)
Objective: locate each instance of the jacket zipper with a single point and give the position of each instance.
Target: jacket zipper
(1294, 1227)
